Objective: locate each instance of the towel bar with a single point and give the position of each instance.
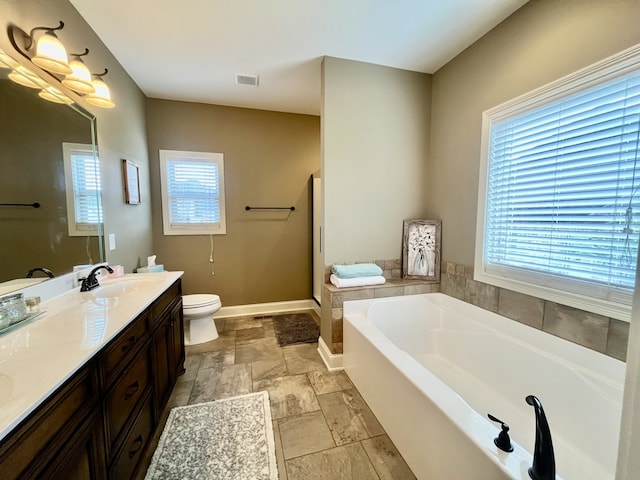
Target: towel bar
(269, 208)
(34, 205)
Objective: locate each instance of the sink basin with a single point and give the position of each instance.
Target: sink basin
(119, 287)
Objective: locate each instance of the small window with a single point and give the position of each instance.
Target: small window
(82, 183)
(192, 193)
(559, 193)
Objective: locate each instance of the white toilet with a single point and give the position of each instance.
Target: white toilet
(198, 311)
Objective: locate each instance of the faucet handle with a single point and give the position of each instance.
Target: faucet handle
(502, 441)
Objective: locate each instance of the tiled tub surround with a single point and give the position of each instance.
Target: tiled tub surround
(333, 297)
(597, 332)
(323, 428)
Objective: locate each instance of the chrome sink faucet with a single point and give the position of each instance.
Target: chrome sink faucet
(91, 281)
(544, 463)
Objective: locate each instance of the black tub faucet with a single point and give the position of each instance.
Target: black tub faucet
(91, 281)
(544, 462)
(46, 271)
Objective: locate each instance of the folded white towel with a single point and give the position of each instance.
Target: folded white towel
(356, 282)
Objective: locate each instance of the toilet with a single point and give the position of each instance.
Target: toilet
(198, 311)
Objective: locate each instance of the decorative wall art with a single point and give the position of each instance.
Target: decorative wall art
(131, 178)
(421, 249)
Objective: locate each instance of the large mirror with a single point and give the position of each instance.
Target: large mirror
(50, 205)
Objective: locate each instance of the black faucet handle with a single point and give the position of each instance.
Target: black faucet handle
(502, 441)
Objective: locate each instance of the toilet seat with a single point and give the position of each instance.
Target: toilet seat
(199, 300)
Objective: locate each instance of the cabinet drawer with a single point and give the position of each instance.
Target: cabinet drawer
(115, 355)
(135, 444)
(173, 293)
(126, 393)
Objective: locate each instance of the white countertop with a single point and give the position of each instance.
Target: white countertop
(38, 357)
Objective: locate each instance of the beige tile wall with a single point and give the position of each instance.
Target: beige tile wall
(597, 332)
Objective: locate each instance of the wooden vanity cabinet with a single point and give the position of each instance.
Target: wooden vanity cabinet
(82, 458)
(168, 349)
(31, 449)
(98, 424)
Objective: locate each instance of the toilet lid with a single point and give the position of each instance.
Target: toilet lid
(199, 300)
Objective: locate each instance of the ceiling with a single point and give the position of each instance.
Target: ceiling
(192, 50)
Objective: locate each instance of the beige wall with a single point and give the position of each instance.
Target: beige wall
(120, 131)
(375, 129)
(269, 158)
(543, 41)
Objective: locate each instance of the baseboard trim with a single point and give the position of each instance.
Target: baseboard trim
(265, 308)
(333, 361)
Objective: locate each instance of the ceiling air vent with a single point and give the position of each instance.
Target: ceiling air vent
(242, 79)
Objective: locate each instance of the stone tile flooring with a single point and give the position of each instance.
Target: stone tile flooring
(322, 426)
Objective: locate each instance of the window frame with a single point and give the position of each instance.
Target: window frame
(78, 229)
(219, 228)
(564, 291)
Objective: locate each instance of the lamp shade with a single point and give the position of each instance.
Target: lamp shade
(24, 77)
(101, 97)
(51, 55)
(79, 80)
(54, 95)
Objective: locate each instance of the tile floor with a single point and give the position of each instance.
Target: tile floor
(322, 426)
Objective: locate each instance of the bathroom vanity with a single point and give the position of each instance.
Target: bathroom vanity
(82, 389)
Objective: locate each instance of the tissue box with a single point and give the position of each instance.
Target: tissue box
(155, 268)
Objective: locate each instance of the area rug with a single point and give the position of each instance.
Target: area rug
(295, 328)
(229, 439)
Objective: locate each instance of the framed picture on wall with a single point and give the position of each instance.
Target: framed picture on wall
(131, 178)
(421, 249)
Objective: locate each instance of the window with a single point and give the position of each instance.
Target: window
(192, 193)
(82, 183)
(559, 192)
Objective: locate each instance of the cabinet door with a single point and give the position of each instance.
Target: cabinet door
(177, 341)
(83, 457)
(162, 360)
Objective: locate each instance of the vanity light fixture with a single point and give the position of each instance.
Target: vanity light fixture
(79, 80)
(50, 52)
(102, 96)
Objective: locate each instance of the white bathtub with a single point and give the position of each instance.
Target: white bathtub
(431, 367)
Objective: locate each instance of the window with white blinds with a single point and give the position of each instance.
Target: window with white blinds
(192, 192)
(83, 190)
(560, 191)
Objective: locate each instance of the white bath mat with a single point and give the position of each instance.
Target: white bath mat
(229, 439)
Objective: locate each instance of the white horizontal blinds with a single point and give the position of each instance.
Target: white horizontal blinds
(562, 188)
(85, 174)
(193, 192)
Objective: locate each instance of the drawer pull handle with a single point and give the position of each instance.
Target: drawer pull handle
(130, 343)
(131, 390)
(138, 445)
